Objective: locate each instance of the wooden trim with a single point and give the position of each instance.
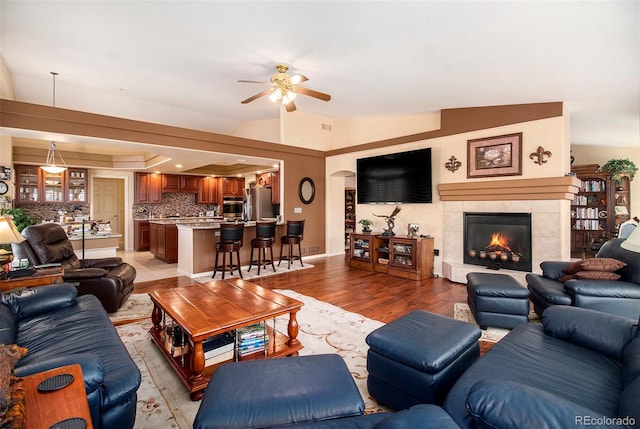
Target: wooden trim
(16, 114)
(550, 188)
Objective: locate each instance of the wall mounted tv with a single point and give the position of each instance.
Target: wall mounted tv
(403, 177)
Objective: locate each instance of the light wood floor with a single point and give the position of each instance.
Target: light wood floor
(374, 295)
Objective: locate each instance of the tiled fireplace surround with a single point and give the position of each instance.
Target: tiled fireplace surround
(548, 200)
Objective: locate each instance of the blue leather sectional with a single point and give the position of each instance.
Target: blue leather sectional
(617, 297)
(60, 328)
(579, 367)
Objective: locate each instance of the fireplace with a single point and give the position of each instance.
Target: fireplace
(498, 240)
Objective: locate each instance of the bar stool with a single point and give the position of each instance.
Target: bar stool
(231, 235)
(295, 230)
(265, 233)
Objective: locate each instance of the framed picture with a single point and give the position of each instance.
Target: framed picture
(5, 173)
(413, 229)
(495, 156)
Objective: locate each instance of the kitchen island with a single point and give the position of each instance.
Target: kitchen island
(197, 246)
(162, 235)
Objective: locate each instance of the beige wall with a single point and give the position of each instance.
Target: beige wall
(601, 154)
(352, 131)
(549, 133)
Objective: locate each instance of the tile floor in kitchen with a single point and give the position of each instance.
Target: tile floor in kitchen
(147, 267)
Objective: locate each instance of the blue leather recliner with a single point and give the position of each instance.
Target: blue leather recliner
(60, 328)
(620, 297)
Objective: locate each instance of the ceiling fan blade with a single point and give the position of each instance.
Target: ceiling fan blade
(291, 107)
(258, 95)
(297, 78)
(252, 81)
(315, 94)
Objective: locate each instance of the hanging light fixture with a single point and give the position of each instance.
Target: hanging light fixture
(51, 166)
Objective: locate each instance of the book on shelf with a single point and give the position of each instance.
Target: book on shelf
(222, 357)
(251, 331)
(252, 340)
(218, 344)
(250, 351)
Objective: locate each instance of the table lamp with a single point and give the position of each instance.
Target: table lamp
(9, 234)
(633, 241)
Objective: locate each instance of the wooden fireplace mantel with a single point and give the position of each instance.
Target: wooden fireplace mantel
(547, 188)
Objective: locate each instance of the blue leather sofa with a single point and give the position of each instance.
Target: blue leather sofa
(611, 296)
(60, 328)
(578, 367)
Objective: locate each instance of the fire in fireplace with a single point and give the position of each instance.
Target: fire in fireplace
(498, 240)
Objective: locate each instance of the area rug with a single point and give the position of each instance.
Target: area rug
(253, 273)
(163, 401)
(462, 312)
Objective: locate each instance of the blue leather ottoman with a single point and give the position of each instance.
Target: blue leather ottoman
(275, 392)
(497, 300)
(418, 357)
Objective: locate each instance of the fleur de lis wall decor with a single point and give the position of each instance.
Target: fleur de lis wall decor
(453, 164)
(540, 155)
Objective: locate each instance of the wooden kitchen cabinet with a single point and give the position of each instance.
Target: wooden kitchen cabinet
(141, 238)
(35, 185)
(148, 188)
(275, 187)
(163, 241)
(232, 186)
(208, 190)
(270, 180)
(179, 183)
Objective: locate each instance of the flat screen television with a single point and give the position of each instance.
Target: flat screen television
(403, 177)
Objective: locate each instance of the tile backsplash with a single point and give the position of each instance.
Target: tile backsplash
(172, 204)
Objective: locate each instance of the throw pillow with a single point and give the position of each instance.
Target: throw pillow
(591, 275)
(594, 264)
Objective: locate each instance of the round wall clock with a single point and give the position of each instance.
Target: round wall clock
(3, 188)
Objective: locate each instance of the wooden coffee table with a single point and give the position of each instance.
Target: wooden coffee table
(207, 309)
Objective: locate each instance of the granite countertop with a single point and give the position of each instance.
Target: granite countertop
(214, 225)
(172, 220)
(88, 236)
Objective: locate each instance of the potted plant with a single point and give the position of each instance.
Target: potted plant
(619, 168)
(366, 223)
(20, 218)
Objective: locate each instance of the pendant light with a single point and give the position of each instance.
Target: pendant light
(51, 166)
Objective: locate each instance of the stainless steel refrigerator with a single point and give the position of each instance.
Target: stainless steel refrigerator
(259, 204)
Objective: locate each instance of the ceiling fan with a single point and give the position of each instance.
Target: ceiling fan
(284, 88)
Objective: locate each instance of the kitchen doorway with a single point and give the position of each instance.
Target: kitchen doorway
(108, 204)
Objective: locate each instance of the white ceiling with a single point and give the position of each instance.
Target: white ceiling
(178, 62)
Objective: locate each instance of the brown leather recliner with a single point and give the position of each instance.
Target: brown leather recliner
(109, 279)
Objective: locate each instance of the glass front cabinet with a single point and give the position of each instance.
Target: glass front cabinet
(410, 258)
(37, 186)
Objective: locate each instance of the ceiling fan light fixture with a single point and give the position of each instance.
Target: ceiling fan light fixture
(276, 95)
(51, 166)
(288, 97)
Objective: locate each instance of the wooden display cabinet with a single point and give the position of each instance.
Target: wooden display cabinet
(35, 185)
(410, 258)
(361, 251)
